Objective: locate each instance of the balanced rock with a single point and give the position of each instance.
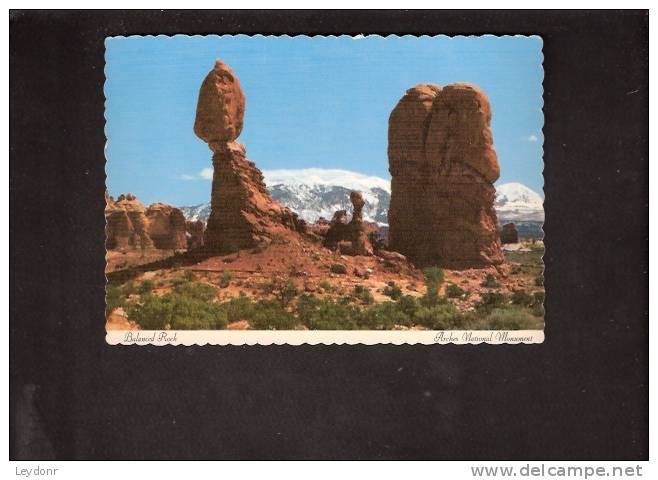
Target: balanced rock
(220, 108)
(166, 227)
(443, 165)
(242, 212)
(509, 234)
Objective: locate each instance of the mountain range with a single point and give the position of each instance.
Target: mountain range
(317, 192)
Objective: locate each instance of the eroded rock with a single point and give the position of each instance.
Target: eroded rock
(443, 165)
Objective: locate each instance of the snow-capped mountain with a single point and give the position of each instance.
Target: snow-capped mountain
(515, 201)
(318, 192)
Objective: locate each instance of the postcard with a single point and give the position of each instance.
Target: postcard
(324, 190)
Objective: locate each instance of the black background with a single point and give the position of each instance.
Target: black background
(582, 394)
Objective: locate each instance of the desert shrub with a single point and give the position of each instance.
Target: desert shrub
(539, 281)
(522, 298)
(489, 301)
(538, 298)
(145, 287)
(408, 305)
(490, 281)
(325, 285)
(393, 290)
(326, 314)
(433, 279)
(538, 310)
(177, 312)
(455, 291)
(196, 290)
(363, 294)
(129, 288)
(114, 298)
(338, 268)
(270, 315)
(439, 317)
(178, 281)
(511, 318)
(189, 276)
(286, 292)
(382, 316)
(239, 308)
(225, 279)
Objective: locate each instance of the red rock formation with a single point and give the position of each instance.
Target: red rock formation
(136, 213)
(443, 165)
(195, 233)
(351, 238)
(166, 227)
(509, 234)
(119, 229)
(243, 214)
(220, 108)
(357, 229)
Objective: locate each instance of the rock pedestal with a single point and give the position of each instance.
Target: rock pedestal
(351, 238)
(443, 165)
(242, 212)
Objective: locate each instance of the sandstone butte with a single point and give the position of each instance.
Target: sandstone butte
(130, 225)
(242, 212)
(443, 164)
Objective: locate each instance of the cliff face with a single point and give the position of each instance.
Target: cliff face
(443, 165)
(130, 225)
(243, 214)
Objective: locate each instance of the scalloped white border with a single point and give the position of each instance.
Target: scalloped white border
(325, 337)
(315, 337)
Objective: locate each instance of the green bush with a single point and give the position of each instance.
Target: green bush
(382, 316)
(326, 314)
(129, 288)
(338, 268)
(392, 290)
(325, 285)
(176, 312)
(433, 280)
(408, 305)
(522, 298)
(512, 318)
(539, 281)
(455, 291)
(239, 308)
(145, 287)
(189, 276)
(490, 281)
(363, 294)
(439, 317)
(114, 298)
(225, 279)
(196, 290)
(489, 301)
(270, 315)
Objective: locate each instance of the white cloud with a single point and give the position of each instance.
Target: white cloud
(532, 138)
(204, 174)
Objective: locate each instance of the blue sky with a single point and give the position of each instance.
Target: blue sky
(311, 102)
